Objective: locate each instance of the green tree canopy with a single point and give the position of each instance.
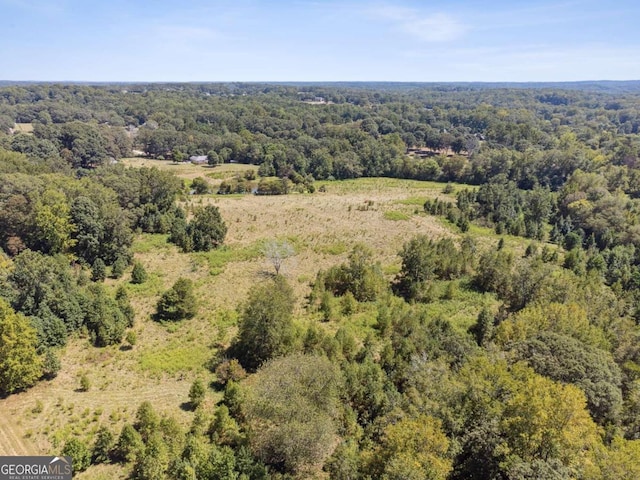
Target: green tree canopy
(79, 453)
(568, 360)
(266, 329)
(20, 365)
(424, 260)
(138, 274)
(412, 449)
(204, 232)
(292, 408)
(360, 276)
(179, 302)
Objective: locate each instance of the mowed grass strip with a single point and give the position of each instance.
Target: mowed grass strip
(379, 184)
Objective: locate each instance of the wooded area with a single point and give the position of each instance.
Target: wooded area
(367, 376)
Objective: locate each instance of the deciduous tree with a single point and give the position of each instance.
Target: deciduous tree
(292, 407)
(265, 329)
(20, 365)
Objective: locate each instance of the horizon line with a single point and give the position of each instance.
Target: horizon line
(4, 81)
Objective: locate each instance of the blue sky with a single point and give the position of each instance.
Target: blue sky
(250, 40)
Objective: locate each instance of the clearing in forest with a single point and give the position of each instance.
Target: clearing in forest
(321, 227)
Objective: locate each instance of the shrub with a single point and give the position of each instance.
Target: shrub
(79, 453)
(236, 185)
(118, 268)
(179, 302)
(278, 186)
(131, 338)
(138, 274)
(230, 370)
(200, 186)
(85, 383)
(197, 393)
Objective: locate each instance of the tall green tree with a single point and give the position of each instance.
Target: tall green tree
(152, 462)
(424, 260)
(129, 444)
(147, 420)
(89, 230)
(266, 328)
(103, 445)
(360, 276)
(207, 229)
(568, 360)
(53, 222)
(105, 319)
(197, 393)
(20, 365)
(44, 288)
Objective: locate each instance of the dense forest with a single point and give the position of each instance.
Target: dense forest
(544, 384)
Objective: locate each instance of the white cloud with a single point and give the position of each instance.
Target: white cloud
(435, 27)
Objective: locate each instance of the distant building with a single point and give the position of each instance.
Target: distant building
(199, 159)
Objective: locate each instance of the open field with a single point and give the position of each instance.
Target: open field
(190, 171)
(322, 227)
(23, 128)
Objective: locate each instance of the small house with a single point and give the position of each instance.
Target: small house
(199, 159)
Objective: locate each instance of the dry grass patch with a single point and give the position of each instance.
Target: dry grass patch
(117, 389)
(23, 128)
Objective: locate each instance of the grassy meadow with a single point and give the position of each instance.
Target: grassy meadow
(160, 367)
